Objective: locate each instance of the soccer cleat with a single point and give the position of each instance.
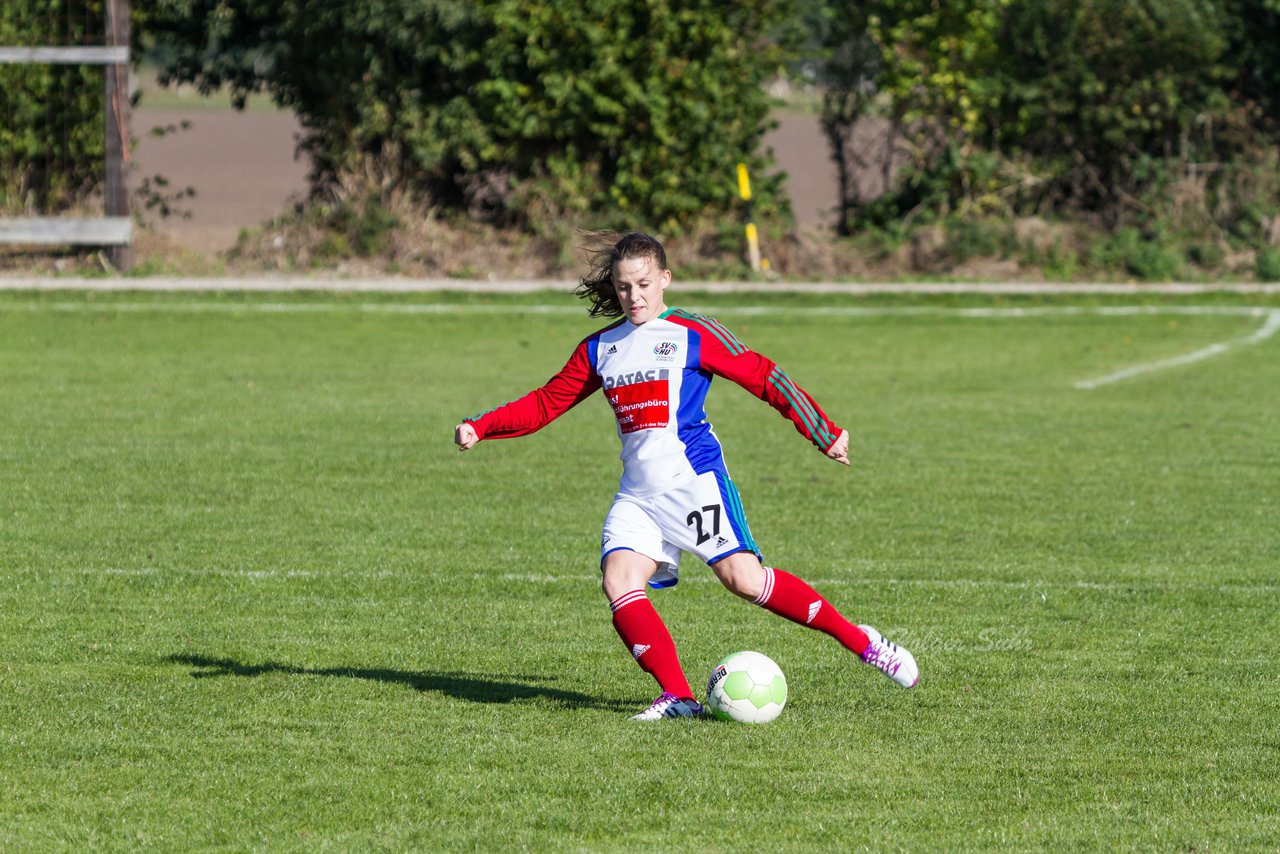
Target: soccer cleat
(668, 705)
(890, 659)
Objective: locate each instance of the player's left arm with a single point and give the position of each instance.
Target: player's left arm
(721, 353)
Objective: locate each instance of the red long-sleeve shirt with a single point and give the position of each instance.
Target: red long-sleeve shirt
(656, 377)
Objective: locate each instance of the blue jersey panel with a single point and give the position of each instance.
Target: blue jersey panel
(693, 359)
(593, 353)
(701, 447)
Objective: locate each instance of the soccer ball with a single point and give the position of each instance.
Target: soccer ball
(747, 687)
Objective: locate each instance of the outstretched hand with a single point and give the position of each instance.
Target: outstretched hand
(464, 435)
(840, 450)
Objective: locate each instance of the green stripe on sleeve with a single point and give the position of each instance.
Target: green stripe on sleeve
(817, 429)
(804, 401)
(718, 325)
(724, 336)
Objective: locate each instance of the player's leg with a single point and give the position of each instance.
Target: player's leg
(623, 571)
(788, 596)
(629, 561)
(738, 565)
(720, 535)
(741, 573)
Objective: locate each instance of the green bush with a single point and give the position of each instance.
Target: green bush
(1146, 257)
(1161, 113)
(1267, 266)
(1154, 262)
(1104, 92)
(1254, 34)
(51, 131)
(1060, 264)
(514, 110)
(969, 238)
(1206, 254)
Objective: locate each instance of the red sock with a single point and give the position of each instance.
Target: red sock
(648, 641)
(788, 596)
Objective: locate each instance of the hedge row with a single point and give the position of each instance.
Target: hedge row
(1129, 112)
(532, 112)
(51, 126)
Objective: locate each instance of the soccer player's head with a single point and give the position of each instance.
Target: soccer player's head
(608, 253)
(638, 246)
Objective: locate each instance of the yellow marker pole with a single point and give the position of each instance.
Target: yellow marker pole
(753, 236)
(744, 182)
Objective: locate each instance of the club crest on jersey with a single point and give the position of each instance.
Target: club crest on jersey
(666, 348)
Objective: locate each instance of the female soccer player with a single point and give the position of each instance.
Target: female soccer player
(655, 366)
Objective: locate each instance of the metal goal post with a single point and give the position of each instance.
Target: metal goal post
(115, 230)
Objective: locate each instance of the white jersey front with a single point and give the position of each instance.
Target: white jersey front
(657, 400)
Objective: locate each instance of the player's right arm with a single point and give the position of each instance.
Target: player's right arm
(722, 354)
(572, 384)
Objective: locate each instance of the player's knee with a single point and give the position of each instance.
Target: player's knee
(742, 585)
(610, 587)
(742, 578)
(624, 573)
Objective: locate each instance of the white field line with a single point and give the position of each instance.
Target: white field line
(1269, 328)
(590, 576)
(565, 286)
(971, 583)
(572, 309)
(285, 308)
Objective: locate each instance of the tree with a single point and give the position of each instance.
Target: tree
(1082, 106)
(51, 137)
(1098, 92)
(922, 65)
(515, 110)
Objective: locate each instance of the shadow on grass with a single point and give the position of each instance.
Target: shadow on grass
(472, 687)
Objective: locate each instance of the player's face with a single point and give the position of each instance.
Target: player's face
(640, 283)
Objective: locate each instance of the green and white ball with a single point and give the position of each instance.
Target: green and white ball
(747, 687)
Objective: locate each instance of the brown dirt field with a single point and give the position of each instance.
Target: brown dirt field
(243, 169)
(241, 165)
(802, 152)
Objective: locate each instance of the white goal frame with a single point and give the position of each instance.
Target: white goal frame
(115, 230)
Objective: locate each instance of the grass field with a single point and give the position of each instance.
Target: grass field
(254, 599)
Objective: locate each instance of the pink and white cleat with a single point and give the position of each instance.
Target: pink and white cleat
(890, 659)
(670, 706)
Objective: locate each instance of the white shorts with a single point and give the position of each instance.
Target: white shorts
(703, 517)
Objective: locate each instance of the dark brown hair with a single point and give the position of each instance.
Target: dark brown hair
(604, 249)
